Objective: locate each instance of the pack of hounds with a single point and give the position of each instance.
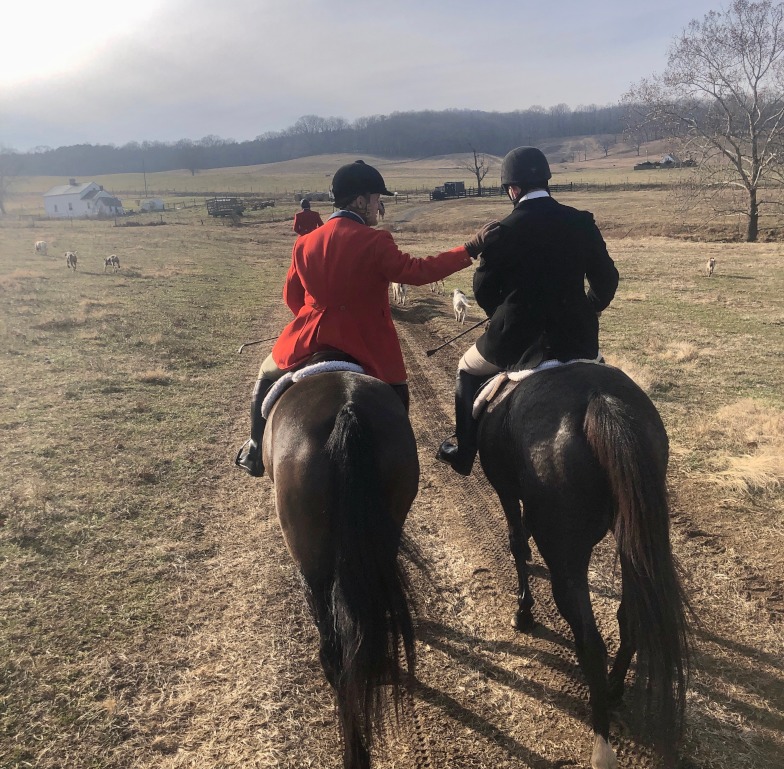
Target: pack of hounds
(460, 303)
(71, 257)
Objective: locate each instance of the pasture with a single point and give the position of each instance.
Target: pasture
(151, 616)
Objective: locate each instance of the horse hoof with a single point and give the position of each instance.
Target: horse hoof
(603, 756)
(524, 621)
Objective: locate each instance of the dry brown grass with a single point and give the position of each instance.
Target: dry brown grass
(746, 439)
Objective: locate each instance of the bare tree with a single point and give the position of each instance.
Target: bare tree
(722, 95)
(479, 166)
(605, 142)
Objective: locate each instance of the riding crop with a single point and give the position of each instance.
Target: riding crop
(449, 341)
(258, 341)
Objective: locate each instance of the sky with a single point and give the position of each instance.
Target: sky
(165, 70)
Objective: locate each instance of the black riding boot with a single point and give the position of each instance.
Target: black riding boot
(461, 457)
(249, 456)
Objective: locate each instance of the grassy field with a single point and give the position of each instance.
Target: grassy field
(121, 395)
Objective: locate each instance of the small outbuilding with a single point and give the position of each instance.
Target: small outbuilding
(75, 200)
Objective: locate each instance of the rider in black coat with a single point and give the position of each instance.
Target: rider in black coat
(531, 284)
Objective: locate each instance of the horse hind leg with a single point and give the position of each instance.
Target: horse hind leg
(521, 552)
(573, 599)
(623, 658)
(330, 653)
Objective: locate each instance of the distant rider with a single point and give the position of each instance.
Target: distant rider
(306, 220)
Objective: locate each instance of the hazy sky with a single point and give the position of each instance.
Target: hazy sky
(114, 72)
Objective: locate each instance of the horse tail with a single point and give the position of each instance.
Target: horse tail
(654, 600)
(370, 594)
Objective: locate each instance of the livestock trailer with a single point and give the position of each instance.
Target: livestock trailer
(225, 207)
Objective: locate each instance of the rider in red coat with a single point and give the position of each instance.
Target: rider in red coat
(338, 289)
(306, 220)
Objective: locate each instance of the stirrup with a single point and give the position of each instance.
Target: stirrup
(246, 460)
(449, 454)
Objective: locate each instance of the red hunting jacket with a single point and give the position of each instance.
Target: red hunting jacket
(306, 221)
(338, 288)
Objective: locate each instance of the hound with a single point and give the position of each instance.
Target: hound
(40, 247)
(70, 260)
(112, 261)
(460, 305)
(399, 291)
(438, 288)
(710, 266)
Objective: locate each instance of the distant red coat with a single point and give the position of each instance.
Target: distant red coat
(306, 221)
(338, 288)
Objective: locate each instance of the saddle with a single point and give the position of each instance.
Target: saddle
(318, 363)
(500, 386)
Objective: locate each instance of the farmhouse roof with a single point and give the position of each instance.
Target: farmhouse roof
(68, 189)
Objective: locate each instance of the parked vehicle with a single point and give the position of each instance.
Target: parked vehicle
(225, 207)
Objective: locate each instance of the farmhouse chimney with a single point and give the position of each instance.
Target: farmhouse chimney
(72, 182)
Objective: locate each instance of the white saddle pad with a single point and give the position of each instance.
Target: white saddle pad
(290, 377)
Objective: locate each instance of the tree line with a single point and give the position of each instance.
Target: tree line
(399, 135)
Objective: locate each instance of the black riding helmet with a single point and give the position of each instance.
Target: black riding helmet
(525, 167)
(304, 203)
(357, 178)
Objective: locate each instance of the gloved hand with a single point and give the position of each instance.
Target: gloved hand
(484, 237)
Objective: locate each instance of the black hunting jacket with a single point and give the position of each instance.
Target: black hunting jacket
(531, 283)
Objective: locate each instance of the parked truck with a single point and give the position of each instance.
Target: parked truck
(449, 190)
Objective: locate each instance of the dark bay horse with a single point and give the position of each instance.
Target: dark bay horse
(585, 451)
(341, 452)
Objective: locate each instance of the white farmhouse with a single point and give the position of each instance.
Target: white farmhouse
(75, 200)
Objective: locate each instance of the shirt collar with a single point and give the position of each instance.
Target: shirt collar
(345, 214)
(534, 194)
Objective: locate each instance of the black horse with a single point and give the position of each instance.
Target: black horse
(585, 451)
(341, 453)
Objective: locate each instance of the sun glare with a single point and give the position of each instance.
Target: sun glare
(46, 38)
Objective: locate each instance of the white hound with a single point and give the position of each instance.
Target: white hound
(710, 266)
(460, 305)
(70, 260)
(399, 291)
(41, 246)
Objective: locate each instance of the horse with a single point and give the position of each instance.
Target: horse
(341, 454)
(585, 451)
